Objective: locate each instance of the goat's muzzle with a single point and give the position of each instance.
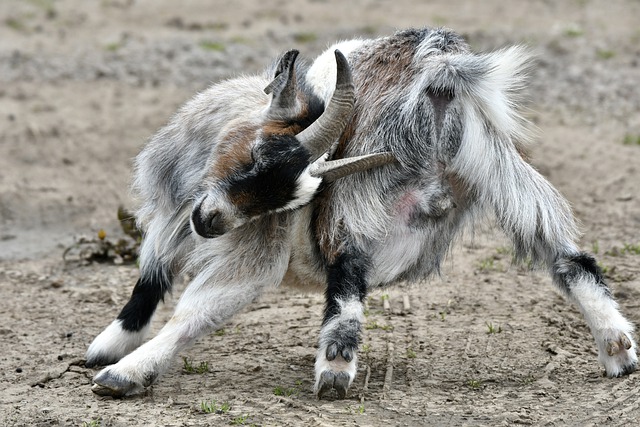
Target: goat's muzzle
(207, 224)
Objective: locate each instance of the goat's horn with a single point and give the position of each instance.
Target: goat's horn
(283, 85)
(332, 170)
(319, 137)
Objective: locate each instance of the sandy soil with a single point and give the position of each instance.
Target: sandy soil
(83, 84)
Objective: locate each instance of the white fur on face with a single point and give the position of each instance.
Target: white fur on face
(306, 188)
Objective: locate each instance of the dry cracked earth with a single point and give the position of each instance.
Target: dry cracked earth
(84, 84)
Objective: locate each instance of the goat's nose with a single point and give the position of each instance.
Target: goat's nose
(207, 224)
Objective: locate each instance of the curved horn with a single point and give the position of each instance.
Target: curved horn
(283, 85)
(319, 137)
(332, 170)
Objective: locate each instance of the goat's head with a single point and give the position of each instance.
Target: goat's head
(277, 162)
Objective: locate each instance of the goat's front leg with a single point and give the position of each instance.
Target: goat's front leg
(336, 360)
(209, 301)
(157, 263)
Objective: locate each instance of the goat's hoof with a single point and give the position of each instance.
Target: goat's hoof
(620, 358)
(338, 381)
(616, 346)
(108, 384)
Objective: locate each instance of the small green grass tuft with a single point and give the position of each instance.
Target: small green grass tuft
(438, 20)
(503, 250)
(627, 249)
(15, 24)
(489, 264)
(366, 348)
(375, 325)
(282, 391)
(239, 420)
(631, 139)
(211, 45)
(573, 31)
(595, 247)
(92, 423)
(189, 367)
(604, 268)
(491, 329)
(113, 47)
(605, 53)
(305, 37)
(410, 353)
(474, 384)
(211, 407)
(630, 249)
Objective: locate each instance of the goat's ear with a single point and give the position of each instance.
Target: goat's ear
(332, 170)
(283, 85)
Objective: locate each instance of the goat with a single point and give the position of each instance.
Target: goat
(247, 188)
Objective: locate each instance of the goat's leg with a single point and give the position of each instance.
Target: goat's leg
(130, 328)
(541, 224)
(581, 279)
(234, 271)
(336, 360)
(204, 307)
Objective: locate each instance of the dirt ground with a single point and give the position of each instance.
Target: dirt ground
(84, 84)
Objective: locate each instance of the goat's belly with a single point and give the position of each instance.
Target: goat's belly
(426, 221)
(397, 254)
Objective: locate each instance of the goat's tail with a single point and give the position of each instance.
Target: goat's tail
(489, 160)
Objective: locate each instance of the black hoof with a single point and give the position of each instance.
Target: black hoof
(338, 381)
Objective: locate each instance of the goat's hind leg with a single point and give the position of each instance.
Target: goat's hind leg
(581, 279)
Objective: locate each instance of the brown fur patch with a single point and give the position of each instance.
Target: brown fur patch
(287, 127)
(235, 151)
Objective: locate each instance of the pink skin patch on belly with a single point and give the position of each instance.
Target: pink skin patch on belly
(406, 206)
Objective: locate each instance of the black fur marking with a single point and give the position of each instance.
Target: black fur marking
(146, 295)
(270, 182)
(345, 279)
(576, 266)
